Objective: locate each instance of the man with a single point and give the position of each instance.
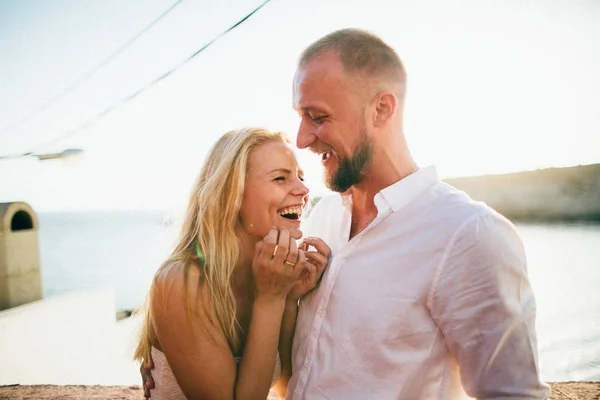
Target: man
(426, 295)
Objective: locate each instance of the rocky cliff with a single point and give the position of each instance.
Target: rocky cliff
(552, 194)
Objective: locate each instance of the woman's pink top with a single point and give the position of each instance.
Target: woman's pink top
(166, 387)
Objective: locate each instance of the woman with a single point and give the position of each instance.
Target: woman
(221, 310)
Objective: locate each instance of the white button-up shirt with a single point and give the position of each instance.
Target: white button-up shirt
(435, 283)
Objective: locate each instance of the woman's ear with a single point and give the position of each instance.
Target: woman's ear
(385, 107)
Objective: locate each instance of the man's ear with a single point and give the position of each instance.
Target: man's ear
(385, 107)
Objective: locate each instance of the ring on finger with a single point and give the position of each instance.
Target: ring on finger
(289, 263)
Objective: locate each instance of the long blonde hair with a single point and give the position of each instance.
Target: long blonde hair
(211, 223)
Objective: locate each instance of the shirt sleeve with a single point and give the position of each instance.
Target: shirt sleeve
(482, 300)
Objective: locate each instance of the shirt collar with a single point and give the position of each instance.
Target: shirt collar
(347, 200)
(402, 192)
(405, 190)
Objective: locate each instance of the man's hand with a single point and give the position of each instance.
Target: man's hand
(147, 381)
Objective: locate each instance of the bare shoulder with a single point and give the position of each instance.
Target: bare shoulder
(188, 335)
(180, 288)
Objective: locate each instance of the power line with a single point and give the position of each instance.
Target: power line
(133, 95)
(87, 75)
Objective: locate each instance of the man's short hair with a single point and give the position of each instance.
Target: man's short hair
(359, 52)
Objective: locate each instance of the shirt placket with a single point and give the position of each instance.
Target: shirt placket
(317, 324)
(318, 320)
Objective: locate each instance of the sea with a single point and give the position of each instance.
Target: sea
(120, 251)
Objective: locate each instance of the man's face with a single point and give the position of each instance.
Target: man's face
(332, 113)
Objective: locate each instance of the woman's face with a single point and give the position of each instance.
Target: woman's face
(274, 193)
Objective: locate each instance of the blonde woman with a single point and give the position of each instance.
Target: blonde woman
(222, 308)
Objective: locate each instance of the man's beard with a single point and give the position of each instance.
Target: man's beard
(351, 170)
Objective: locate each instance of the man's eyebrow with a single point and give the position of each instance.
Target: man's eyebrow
(306, 109)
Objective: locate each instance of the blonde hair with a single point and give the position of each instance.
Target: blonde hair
(211, 223)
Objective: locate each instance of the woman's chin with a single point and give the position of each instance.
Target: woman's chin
(296, 233)
(292, 225)
(293, 229)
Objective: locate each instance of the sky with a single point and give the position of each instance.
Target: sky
(493, 87)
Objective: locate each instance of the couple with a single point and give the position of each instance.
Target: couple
(424, 293)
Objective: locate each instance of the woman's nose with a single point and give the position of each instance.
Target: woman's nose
(300, 189)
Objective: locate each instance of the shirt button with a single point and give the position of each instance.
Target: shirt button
(321, 311)
(305, 366)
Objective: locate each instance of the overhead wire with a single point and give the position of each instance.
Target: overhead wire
(88, 74)
(141, 90)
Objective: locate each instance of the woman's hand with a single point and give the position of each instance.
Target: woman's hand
(316, 261)
(146, 368)
(277, 264)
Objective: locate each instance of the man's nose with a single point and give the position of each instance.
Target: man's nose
(305, 135)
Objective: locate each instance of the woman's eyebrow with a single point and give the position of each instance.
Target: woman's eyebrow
(281, 170)
(300, 172)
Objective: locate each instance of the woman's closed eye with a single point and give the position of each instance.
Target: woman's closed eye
(283, 178)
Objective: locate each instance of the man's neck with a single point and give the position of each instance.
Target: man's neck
(364, 210)
(363, 194)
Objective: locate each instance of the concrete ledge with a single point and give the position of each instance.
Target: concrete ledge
(72, 339)
(560, 391)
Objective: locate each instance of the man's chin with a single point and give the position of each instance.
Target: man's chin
(335, 186)
(330, 181)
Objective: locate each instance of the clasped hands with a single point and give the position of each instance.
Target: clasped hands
(282, 268)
